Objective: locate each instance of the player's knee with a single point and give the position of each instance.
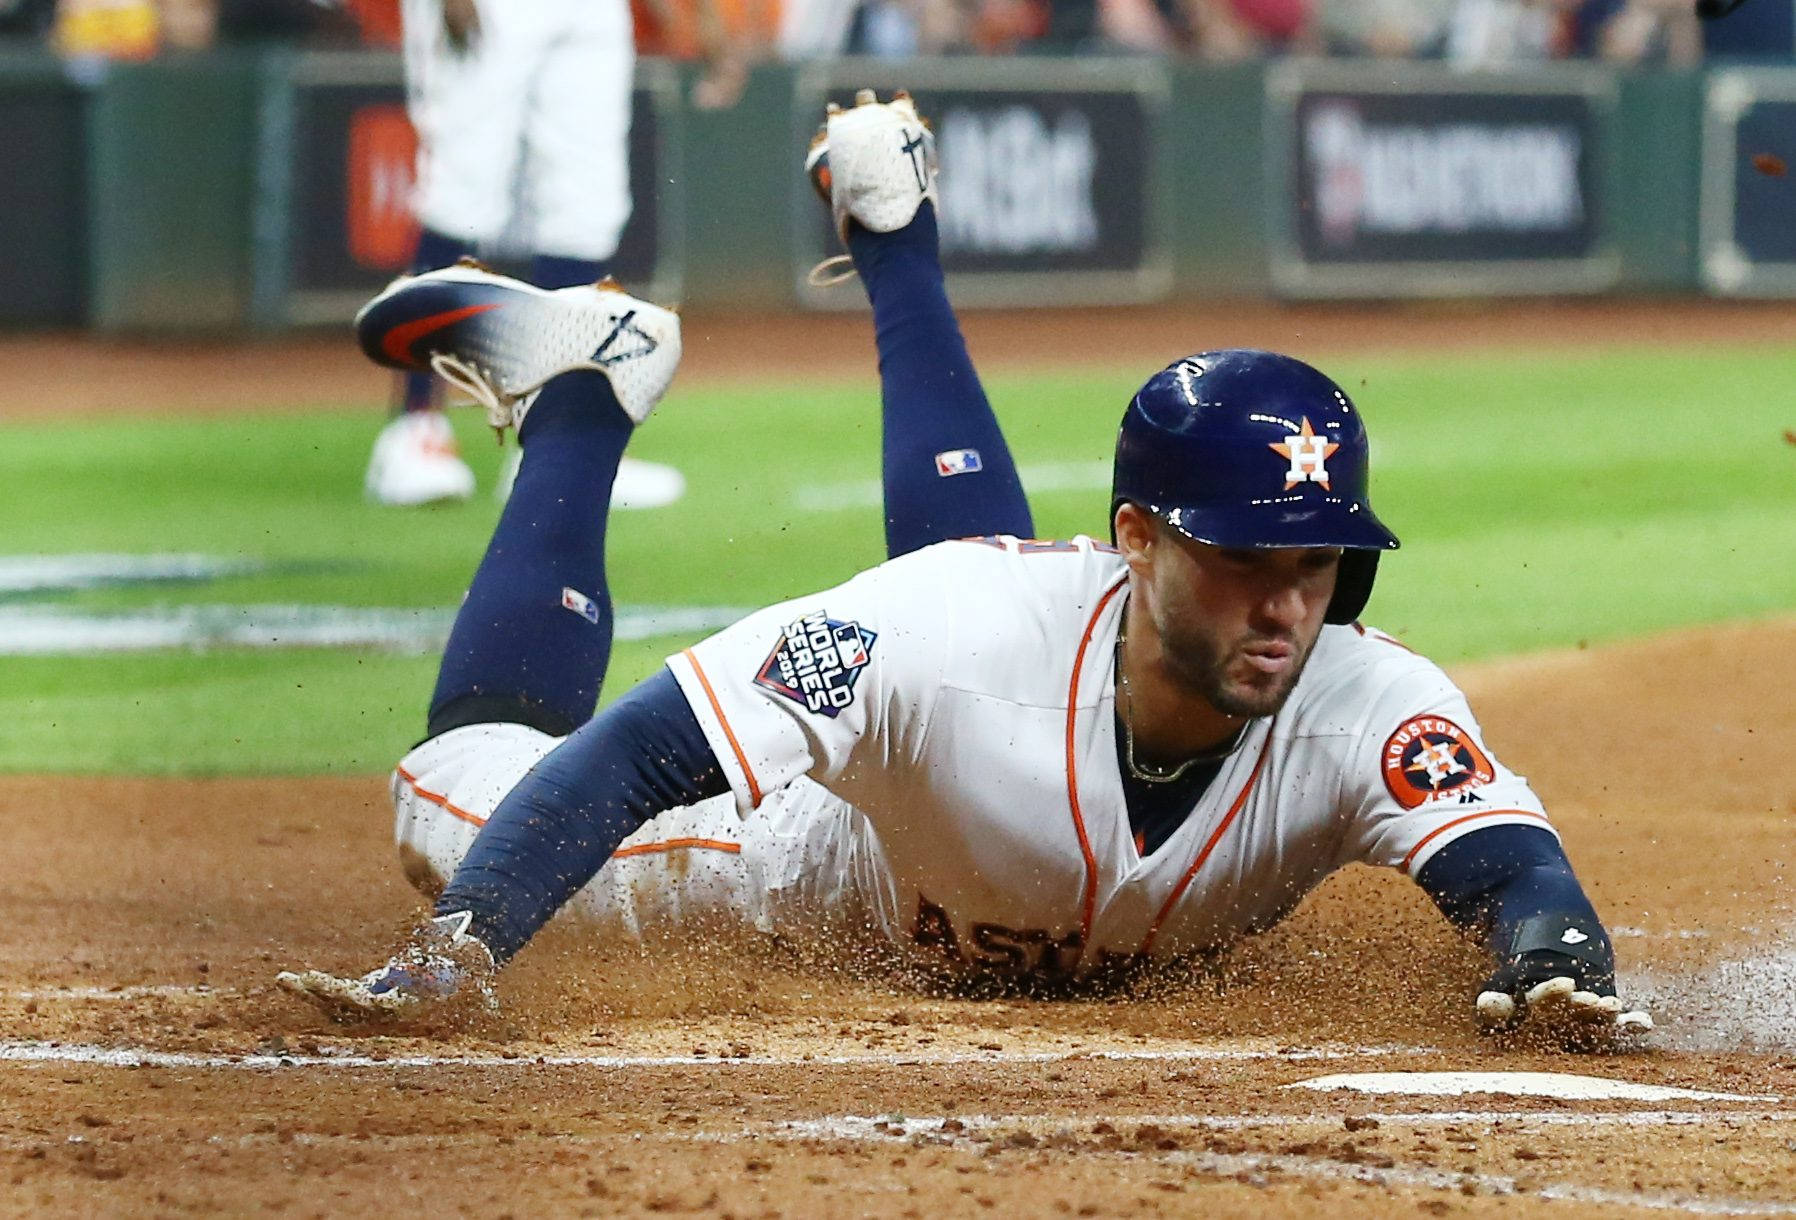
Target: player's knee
(464, 710)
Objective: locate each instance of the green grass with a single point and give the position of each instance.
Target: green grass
(1543, 501)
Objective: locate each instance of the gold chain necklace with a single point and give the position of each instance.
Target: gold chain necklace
(1147, 773)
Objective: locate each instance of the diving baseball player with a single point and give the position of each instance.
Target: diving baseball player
(1039, 763)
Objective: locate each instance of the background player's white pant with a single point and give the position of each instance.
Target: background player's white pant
(803, 864)
(538, 109)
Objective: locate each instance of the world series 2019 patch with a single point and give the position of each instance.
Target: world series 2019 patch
(817, 662)
(1429, 757)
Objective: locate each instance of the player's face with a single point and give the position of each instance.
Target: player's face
(1236, 626)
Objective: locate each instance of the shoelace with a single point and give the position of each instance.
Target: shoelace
(829, 273)
(501, 412)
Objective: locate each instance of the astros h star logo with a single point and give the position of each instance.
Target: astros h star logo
(1430, 757)
(1308, 455)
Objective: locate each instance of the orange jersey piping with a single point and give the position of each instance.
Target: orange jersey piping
(754, 788)
(645, 849)
(1228, 819)
(1470, 817)
(440, 801)
(1088, 905)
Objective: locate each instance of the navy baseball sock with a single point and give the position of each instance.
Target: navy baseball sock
(554, 271)
(947, 470)
(420, 391)
(532, 639)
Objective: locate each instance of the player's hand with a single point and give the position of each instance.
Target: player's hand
(721, 83)
(461, 23)
(439, 962)
(1553, 994)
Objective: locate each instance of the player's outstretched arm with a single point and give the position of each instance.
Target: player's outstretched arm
(643, 755)
(1512, 889)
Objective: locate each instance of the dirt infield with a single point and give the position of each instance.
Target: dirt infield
(58, 373)
(147, 1067)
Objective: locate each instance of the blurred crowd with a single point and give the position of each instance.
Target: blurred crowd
(1471, 33)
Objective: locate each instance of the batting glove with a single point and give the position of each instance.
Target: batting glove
(1559, 978)
(440, 961)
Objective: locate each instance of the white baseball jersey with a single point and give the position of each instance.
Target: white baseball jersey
(537, 111)
(961, 698)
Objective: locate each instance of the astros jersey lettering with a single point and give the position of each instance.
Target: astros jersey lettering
(962, 699)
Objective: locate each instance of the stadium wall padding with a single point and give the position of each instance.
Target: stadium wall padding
(43, 193)
(170, 153)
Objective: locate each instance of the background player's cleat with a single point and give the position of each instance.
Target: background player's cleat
(873, 163)
(499, 339)
(416, 461)
(440, 962)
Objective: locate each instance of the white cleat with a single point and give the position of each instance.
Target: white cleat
(345, 999)
(643, 484)
(416, 461)
(499, 339)
(440, 961)
(873, 163)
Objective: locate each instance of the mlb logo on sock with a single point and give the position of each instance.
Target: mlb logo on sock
(958, 461)
(579, 603)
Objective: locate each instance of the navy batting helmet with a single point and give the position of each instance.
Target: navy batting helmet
(1243, 448)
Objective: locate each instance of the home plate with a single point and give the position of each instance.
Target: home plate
(1514, 1084)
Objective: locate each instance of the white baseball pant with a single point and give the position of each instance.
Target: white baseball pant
(537, 110)
(804, 864)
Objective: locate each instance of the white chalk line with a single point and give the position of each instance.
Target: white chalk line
(867, 1126)
(871, 1130)
(1260, 1166)
(62, 573)
(46, 630)
(868, 1129)
(44, 1053)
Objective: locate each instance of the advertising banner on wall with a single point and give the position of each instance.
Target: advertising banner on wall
(1748, 237)
(1423, 182)
(333, 217)
(1046, 178)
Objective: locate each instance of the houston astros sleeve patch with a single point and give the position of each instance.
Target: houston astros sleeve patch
(1430, 757)
(817, 662)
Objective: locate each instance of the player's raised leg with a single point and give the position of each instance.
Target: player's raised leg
(574, 370)
(947, 470)
(465, 98)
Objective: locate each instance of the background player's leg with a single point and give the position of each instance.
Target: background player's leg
(467, 109)
(577, 144)
(947, 470)
(422, 391)
(560, 271)
(416, 459)
(532, 639)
